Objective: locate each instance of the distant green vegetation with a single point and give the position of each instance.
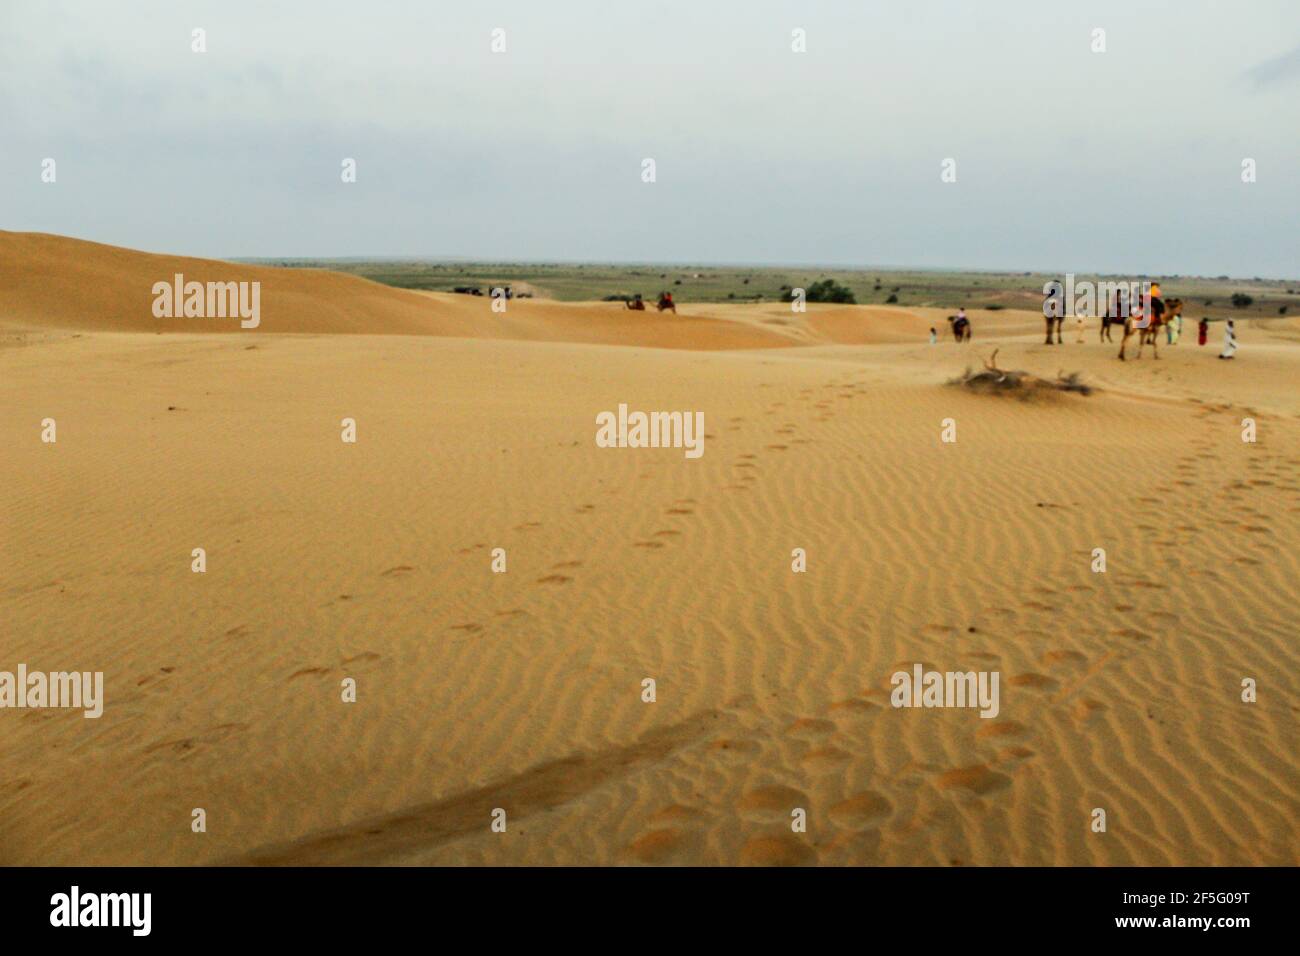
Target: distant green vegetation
(826, 290)
(691, 283)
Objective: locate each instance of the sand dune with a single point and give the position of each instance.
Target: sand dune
(55, 282)
(522, 690)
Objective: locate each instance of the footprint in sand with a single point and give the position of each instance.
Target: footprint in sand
(861, 811)
(658, 846)
(675, 814)
(854, 706)
(307, 671)
(680, 511)
(978, 779)
(1034, 682)
(1087, 708)
(471, 628)
(999, 730)
(554, 579)
(566, 564)
(647, 544)
(1052, 658)
(812, 727)
(781, 849)
(772, 803)
(399, 570)
(824, 759)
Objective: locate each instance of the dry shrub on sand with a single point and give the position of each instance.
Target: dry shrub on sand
(995, 381)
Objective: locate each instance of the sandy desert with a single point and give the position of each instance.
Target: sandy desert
(522, 690)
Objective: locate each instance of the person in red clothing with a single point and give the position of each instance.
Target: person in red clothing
(1202, 331)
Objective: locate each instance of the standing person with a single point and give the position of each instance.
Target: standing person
(934, 336)
(1078, 321)
(1202, 331)
(1229, 341)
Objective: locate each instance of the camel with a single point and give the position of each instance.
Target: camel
(1106, 322)
(636, 305)
(1053, 320)
(1173, 308)
(666, 302)
(960, 328)
(1113, 314)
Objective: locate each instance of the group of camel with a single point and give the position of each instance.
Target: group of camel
(1148, 332)
(961, 328)
(665, 303)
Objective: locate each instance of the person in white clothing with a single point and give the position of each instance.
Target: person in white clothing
(1229, 341)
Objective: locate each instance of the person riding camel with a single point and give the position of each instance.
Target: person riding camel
(1157, 307)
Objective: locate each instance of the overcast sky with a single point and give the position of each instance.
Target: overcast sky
(1126, 161)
